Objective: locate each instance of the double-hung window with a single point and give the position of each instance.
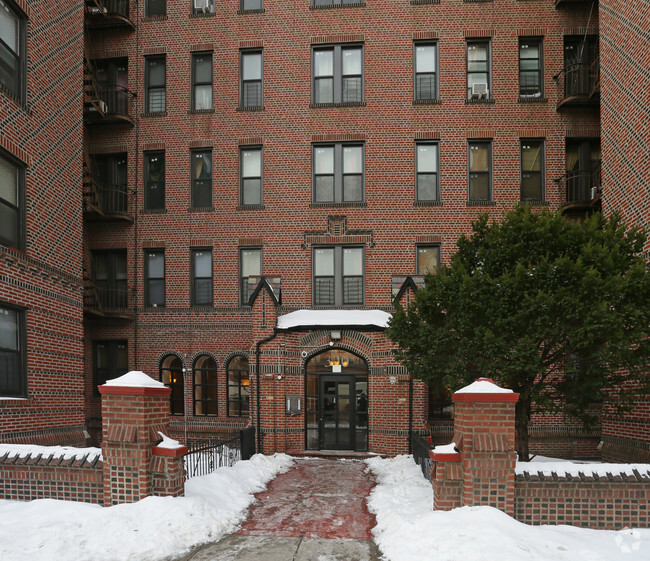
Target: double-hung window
(155, 8)
(201, 81)
(155, 78)
(427, 177)
(12, 182)
(478, 69)
(154, 278)
(250, 170)
(337, 74)
(12, 49)
(250, 265)
(154, 180)
(201, 173)
(13, 368)
(338, 173)
(532, 170)
(238, 375)
(530, 68)
(480, 170)
(427, 259)
(201, 267)
(110, 361)
(426, 75)
(250, 5)
(250, 86)
(205, 386)
(338, 276)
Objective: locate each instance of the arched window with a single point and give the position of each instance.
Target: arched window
(171, 374)
(205, 386)
(238, 387)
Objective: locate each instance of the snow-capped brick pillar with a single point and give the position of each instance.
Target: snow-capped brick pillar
(135, 410)
(482, 457)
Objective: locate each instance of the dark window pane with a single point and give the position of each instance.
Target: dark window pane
(203, 292)
(10, 372)
(156, 292)
(531, 186)
(252, 94)
(352, 89)
(324, 291)
(425, 87)
(202, 193)
(352, 290)
(8, 225)
(479, 187)
(156, 8)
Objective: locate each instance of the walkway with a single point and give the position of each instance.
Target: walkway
(314, 512)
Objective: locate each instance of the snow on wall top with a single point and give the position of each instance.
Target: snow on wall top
(333, 318)
(136, 379)
(60, 452)
(562, 469)
(483, 385)
(445, 449)
(169, 443)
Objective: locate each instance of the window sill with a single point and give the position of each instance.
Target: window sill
(194, 15)
(427, 203)
(251, 108)
(154, 18)
(536, 202)
(531, 99)
(340, 104)
(420, 2)
(155, 114)
(153, 211)
(481, 203)
(334, 6)
(339, 205)
(245, 12)
(250, 207)
(488, 101)
(201, 209)
(199, 111)
(436, 101)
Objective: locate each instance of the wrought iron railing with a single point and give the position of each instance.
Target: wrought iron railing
(205, 457)
(581, 186)
(578, 82)
(420, 448)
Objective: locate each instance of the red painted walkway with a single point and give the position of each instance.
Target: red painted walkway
(316, 498)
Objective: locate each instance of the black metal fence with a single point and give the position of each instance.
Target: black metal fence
(205, 457)
(420, 447)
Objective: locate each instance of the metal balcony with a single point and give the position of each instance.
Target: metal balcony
(106, 105)
(572, 3)
(582, 189)
(579, 85)
(106, 299)
(108, 13)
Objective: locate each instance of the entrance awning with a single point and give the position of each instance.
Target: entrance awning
(308, 320)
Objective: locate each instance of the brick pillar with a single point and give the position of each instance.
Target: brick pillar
(168, 471)
(484, 434)
(446, 477)
(131, 418)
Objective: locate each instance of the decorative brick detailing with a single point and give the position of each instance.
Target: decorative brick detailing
(253, 44)
(250, 140)
(337, 39)
(202, 47)
(425, 35)
(427, 135)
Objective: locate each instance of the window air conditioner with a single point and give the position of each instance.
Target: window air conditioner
(202, 5)
(479, 90)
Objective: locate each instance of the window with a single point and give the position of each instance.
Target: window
(250, 170)
(426, 165)
(480, 174)
(250, 5)
(111, 176)
(583, 167)
(12, 50)
(201, 178)
(338, 173)
(202, 7)
(172, 375)
(155, 84)
(110, 361)
(478, 70)
(337, 74)
(201, 81)
(426, 62)
(12, 187)
(154, 278)
(530, 68)
(113, 81)
(205, 386)
(13, 368)
(338, 276)
(156, 8)
(580, 64)
(337, 2)
(109, 279)
(250, 265)
(238, 387)
(532, 170)
(201, 277)
(427, 259)
(250, 87)
(154, 180)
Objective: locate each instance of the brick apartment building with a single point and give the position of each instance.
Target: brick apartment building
(262, 179)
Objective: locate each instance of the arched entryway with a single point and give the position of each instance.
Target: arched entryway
(337, 401)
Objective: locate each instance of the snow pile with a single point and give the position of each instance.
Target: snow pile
(155, 528)
(408, 529)
(135, 379)
(483, 385)
(64, 452)
(168, 443)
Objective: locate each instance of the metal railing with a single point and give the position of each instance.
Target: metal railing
(205, 457)
(579, 82)
(581, 185)
(420, 447)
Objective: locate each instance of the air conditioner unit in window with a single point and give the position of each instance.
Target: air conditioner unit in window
(479, 91)
(202, 5)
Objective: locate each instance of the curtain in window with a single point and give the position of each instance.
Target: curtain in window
(202, 166)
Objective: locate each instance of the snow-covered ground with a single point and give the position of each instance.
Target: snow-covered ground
(407, 529)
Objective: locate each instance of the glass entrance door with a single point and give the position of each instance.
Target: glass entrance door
(336, 411)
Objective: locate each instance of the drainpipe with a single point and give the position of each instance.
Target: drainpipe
(410, 414)
(257, 381)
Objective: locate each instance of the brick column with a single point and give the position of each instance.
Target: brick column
(446, 477)
(484, 433)
(168, 471)
(132, 415)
